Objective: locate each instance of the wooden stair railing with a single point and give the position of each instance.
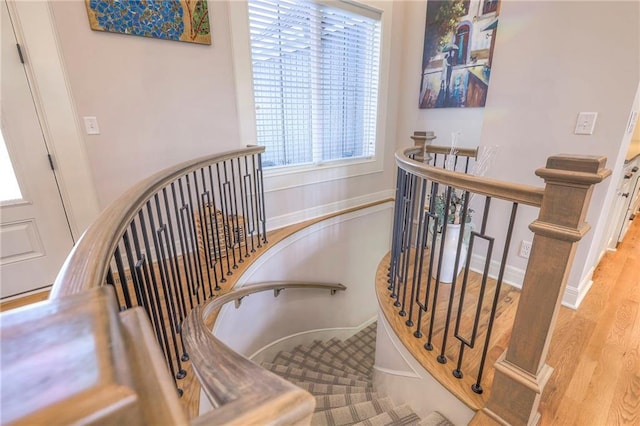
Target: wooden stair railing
(165, 247)
(241, 391)
(417, 284)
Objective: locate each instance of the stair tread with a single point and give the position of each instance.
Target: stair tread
(435, 419)
(353, 413)
(318, 356)
(324, 402)
(288, 358)
(342, 347)
(301, 374)
(402, 415)
(324, 389)
(334, 356)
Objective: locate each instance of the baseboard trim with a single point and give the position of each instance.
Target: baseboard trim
(512, 276)
(573, 297)
(315, 212)
(304, 337)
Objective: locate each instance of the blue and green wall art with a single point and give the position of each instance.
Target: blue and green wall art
(179, 20)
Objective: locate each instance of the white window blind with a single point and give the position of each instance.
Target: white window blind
(315, 76)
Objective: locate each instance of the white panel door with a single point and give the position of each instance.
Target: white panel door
(34, 233)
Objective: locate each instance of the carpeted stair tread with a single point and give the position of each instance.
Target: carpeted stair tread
(296, 360)
(340, 350)
(304, 375)
(435, 419)
(399, 416)
(365, 339)
(351, 414)
(324, 402)
(332, 355)
(317, 356)
(324, 389)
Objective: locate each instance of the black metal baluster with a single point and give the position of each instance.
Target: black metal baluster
(193, 233)
(243, 205)
(429, 218)
(175, 263)
(257, 198)
(204, 218)
(207, 232)
(143, 281)
(166, 348)
(445, 219)
(442, 358)
(131, 262)
(395, 243)
(403, 239)
(188, 227)
(229, 213)
(215, 234)
(251, 212)
(168, 305)
(187, 254)
(172, 274)
(237, 236)
(419, 251)
(223, 210)
(407, 260)
(476, 387)
(485, 275)
(260, 191)
(122, 277)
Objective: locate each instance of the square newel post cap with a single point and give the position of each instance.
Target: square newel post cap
(584, 169)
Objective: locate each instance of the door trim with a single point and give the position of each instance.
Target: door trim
(34, 26)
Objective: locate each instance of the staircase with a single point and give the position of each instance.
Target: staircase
(339, 374)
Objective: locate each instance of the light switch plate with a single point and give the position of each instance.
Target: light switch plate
(91, 125)
(586, 123)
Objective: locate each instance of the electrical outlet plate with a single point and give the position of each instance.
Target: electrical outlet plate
(525, 249)
(91, 125)
(586, 123)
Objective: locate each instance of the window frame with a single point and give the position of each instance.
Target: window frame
(282, 177)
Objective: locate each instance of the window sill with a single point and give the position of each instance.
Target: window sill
(280, 178)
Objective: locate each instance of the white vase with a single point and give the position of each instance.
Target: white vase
(449, 255)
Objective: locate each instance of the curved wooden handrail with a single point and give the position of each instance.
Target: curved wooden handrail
(87, 265)
(235, 385)
(523, 194)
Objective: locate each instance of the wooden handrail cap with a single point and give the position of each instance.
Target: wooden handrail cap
(577, 163)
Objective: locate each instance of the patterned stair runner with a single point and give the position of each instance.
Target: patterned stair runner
(338, 373)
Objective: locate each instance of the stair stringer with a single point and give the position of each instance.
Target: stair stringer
(400, 377)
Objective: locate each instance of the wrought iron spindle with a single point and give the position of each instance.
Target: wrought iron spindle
(442, 358)
(477, 387)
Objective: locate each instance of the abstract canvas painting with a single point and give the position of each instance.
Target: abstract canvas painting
(458, 48)
(183, 20)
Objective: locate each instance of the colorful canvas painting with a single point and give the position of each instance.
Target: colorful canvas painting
(458, 48)
(184, 20)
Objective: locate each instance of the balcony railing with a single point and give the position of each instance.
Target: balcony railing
(450, 249)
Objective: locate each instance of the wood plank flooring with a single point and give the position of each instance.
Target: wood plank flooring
(595, 350)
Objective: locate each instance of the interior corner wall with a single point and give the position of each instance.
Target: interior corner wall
(552, 60)
(158, 102)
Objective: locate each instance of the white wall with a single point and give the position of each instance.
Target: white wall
(552, 59)
(160, 102)
(346, 249)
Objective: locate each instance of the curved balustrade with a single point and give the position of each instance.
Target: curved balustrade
(171, 242)
(242, 390)
(450, 248)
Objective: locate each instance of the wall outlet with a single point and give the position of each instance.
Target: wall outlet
(525, 249)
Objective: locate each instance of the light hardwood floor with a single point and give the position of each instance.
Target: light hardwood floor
(595, 349)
